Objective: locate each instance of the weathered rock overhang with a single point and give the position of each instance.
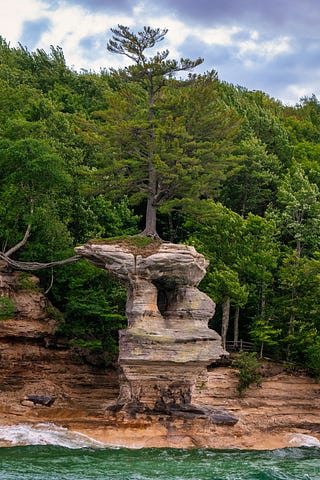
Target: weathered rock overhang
(167, 344)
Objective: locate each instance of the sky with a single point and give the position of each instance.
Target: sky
(268, 45)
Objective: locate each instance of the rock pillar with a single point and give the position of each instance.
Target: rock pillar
(167, 344)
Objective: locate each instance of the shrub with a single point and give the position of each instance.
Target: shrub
(313, 359)
(28, 282)
(7, 308)
(248, 370)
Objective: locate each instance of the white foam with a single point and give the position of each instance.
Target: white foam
(46, 434)
(302, 440)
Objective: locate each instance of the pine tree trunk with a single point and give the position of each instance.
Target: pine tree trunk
(293, 300)
(263, 302)
(292, 318)
(151, 211)
(261, 350)
(298, 249)
(151, 220)
(225, 321)
(236, 327)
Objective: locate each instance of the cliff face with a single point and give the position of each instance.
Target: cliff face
(167, 344)
(36, 363)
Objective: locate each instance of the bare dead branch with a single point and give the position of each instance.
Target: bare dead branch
(33, 266)
(21, 243)
(51, 283)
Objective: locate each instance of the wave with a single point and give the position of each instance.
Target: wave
(52, 434)
(46, 434)
(302, 440)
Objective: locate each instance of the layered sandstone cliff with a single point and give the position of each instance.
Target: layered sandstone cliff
(35, 362)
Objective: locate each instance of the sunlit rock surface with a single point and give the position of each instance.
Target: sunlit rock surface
(168, 344)
(30, 307)
(35, 364)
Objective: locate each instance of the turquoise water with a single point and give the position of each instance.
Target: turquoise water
(61, 463)
(69, 462)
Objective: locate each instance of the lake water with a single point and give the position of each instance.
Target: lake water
(47, 452)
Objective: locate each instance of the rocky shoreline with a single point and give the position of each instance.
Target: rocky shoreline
(269, 416)
(37, 364)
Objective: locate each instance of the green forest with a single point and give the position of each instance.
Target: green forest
(156, 147)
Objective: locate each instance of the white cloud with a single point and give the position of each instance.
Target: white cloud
(217, 36)
(15, 12)
(294, 92)
(82, 32)
(253, 46)
(69, 25)
(265, 50)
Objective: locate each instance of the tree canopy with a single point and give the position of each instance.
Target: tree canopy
(192, 159)
(164, 148)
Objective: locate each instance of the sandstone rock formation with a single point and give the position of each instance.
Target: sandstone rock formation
(30, 316)
(36, 364)
(38, 367)
(168, 344)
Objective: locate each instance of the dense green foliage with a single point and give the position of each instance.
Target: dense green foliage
(248, 367)
(240, 179)
(6, 308)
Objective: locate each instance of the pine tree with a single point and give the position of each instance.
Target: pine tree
(153, 74)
